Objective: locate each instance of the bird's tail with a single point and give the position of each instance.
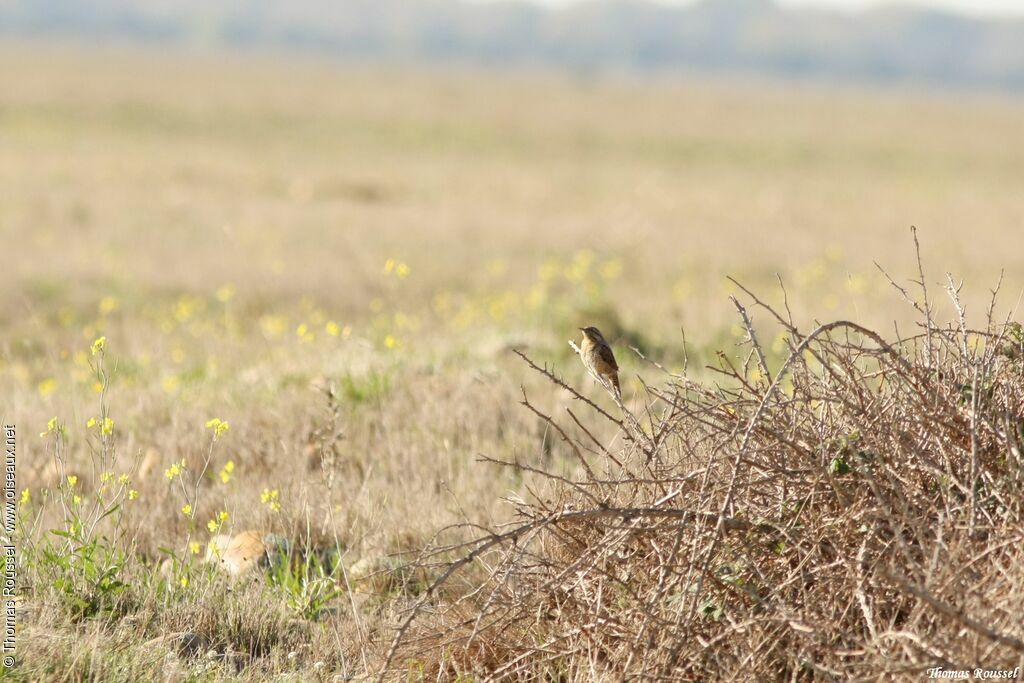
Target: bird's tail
(615, 384)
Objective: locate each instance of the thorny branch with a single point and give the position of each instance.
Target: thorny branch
(758, 529)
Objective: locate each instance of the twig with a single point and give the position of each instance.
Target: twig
(952, 612)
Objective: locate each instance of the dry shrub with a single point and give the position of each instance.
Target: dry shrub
(853, 512)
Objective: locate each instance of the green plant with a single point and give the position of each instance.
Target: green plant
(371, 387)
(308, 583)
(86, 570)
(85, 557)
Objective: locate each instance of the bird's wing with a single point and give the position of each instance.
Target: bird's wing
(607, 356)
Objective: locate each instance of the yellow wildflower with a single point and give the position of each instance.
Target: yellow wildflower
(271, 498)
(47, 387)
(225, 473)
(186, 510)
(123, 480)
(51, 424)
(133, 494)
(72, 480)
(577, 270)
(217, 425)
(26, 496)
(217, 522)
(108, 426)
(225, 293)
(611, 269)
(170, 383)
(98, 345)
(273, 325)
(108, 305)
(186, 307)
(548, 270)
(194, 547)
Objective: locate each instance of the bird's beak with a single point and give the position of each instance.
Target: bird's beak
(582, 329)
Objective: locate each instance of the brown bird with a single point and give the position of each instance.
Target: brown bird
(597, 356)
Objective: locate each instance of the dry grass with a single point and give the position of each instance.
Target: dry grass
(225, 224)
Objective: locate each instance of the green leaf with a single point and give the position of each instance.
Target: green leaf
(839, 467)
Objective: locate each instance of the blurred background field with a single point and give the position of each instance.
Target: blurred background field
(245, 230)
(128, 173)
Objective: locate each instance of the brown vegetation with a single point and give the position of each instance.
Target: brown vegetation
(852, 513)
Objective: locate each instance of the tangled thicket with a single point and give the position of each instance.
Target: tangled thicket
(853, 512)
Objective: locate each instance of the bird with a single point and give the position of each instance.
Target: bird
(598, 358)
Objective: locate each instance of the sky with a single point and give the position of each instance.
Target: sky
(979, 7)
(972, 7)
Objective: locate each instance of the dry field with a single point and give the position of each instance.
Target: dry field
(336, 263)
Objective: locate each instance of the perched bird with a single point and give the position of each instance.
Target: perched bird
(598, 358)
